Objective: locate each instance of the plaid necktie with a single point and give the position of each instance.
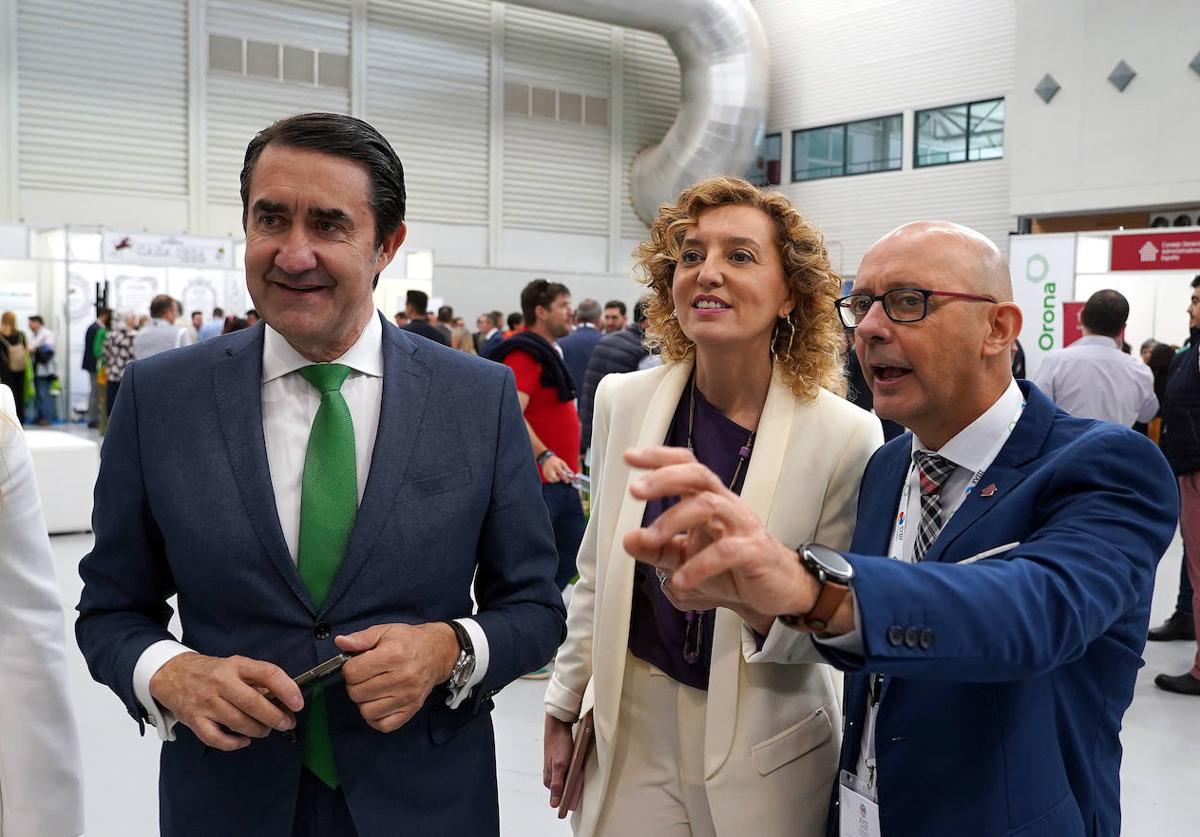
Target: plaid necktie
(933, 470)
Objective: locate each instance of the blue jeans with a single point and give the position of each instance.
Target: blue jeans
(43, 402)
(566, 516)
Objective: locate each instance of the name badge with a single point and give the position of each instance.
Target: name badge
(858, 811)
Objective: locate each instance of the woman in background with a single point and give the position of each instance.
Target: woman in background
(14, 352)
(462, 339)
(41, 792)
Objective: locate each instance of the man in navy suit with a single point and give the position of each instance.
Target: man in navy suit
(577, 346)
(992, 609)
(334, 485)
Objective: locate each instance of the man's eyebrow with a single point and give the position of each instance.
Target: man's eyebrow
(329, 214)
(264, 205)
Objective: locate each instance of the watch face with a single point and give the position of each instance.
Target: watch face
(830, 561)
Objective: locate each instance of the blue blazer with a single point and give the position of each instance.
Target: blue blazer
(184, 505)
(577, 349)
(1005, 679)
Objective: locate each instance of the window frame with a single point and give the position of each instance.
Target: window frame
(766, 137)
(845, 127)
(916, 151)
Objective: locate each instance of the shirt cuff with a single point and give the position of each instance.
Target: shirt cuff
(152, 659)
(479, 643)
(852, 642)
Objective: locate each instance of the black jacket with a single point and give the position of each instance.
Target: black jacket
(1181, 411)
(424, 329)
(620, 351)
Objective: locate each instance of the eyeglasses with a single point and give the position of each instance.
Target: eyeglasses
(902, 305)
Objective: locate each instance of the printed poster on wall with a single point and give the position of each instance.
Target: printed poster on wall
(1156, 251)
(1042, 268)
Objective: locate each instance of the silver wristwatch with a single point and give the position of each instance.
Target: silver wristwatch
(464, 667)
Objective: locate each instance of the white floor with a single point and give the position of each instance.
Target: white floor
(1161, 771)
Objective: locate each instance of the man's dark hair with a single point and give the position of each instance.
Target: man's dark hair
(419, 300)
(446, 314)
(103, 312)
(539, 292)
(160, 305)
(497, 318)
(616, 303)
(1196, 281)
(490, 316)
(339, 136)
(201, 313)
(1105, 313)
(515, 320)
(37, 318)
(252, 312)
(218, 313)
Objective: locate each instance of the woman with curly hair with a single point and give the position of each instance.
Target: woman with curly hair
(710, 719)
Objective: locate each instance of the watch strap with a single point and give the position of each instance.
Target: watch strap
(829, 598)
(543, 456)
(464, 638)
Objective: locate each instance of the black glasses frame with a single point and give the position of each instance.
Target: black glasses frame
(844, 309)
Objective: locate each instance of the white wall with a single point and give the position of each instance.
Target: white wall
(1092, 147)
(834, 62)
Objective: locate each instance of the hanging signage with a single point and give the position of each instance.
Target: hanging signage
(1042, 268)
(187, 250)
(1157, 251)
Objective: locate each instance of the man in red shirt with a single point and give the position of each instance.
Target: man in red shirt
(547, 399)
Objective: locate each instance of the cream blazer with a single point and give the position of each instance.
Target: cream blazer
(773, 725)
(41, 792)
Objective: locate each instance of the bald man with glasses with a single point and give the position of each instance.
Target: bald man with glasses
(992, 608)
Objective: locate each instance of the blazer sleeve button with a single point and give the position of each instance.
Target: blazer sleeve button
(926, 639)
(895, 635)
(911, 637)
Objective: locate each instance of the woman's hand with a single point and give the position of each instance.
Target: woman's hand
(557, 744)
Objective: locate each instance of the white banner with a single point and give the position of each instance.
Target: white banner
(1042, 268)
(191, 251)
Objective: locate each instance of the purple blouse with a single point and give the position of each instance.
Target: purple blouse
(656, 629)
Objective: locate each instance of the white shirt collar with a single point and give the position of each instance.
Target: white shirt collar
(488, 336)
(976, 445)
(365, 356)
(1096, 340)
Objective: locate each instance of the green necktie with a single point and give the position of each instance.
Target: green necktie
(328, 507)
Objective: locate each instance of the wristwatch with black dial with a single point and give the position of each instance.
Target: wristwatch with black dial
(834, 574)
(464, 667)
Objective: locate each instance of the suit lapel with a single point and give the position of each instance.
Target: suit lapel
(405, 395)
(611, 646)
(237, 388)
(758, 492)
(880, 497)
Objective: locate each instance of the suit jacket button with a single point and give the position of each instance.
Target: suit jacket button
(321, 630)
(926, 639)
(895, 635)
(911, 637)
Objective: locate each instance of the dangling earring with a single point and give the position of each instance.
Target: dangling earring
(775, 337)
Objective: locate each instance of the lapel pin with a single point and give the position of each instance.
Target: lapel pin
(989, 490)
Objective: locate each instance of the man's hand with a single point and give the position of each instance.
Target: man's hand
(556, 470)
(224, 700)
(396, 668)
(558, 746)
(724, 552)
(697, 600)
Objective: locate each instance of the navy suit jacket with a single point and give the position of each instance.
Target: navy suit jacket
(184, 505)
(577, 349)
(486, 347)
(1005, 679)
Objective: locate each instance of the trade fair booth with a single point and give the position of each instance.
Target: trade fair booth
(1153, 269)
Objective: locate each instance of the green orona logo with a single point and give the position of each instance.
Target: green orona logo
(1037, 268)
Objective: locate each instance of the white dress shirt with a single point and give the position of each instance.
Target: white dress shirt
(1093, 378)
(289, 405)
(972, 450)
(41, 782)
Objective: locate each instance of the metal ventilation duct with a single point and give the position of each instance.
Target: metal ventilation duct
(723, 61)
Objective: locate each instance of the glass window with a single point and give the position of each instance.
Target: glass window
(874, 144)
(985, 140)
(957, 133)
(764, 169)
(818, 152)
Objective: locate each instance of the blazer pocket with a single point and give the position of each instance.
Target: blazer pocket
(437, 484)
(792, 743)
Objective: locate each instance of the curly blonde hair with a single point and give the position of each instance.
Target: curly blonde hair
(817, 351)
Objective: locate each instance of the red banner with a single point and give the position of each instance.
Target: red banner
(1156, 251)
(1070, 322)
